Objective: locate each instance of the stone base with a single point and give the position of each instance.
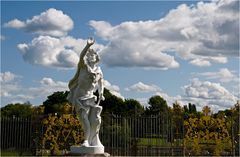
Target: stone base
(90, 150)
(91, 155)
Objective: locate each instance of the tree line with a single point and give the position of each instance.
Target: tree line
(58, 103)
(197, 127)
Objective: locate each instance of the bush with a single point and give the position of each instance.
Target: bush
(207, 131)
(61, 132)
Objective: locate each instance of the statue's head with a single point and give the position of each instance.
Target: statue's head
(92, 56)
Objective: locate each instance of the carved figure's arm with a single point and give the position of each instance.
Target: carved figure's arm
(100, 89)
(90, 42)
(73, 82)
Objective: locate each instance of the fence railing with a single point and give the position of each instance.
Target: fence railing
(122, 136)
(141, 136)
(16, 134)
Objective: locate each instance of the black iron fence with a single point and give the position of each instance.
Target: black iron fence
(122, 136)
(141, 136)
(15, 135)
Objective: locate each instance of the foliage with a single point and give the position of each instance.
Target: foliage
(113, 104)
(192, 108)
(207, 131)
(134, 107)
(177, 120)
(55, 102)
(232, 115)
(235, 126)
(157, 105)
(191, 111)
(61, 132)
(119, 132)
(206, 111)
(16, 110)
(37, 110)
(117, 106)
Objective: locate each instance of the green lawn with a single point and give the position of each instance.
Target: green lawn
(158, 142)
(14, 153)
(153, 142)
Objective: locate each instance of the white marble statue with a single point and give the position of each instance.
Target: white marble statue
(87, 80)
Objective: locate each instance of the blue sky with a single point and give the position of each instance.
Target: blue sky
(183, 51)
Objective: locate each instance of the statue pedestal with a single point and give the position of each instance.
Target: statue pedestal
(90, 150)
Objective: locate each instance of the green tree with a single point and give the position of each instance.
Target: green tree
(177, 109)
(232, 116)
(177, 120)
(192, 108)
(157, 105)
(134, 107)
(206, 111)
(113, 104)
(38, 110)
(191, 111)
(17, 110)
(235, 121)
(55, 102)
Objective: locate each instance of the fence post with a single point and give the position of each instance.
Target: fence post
(233, 140)
(183, 139)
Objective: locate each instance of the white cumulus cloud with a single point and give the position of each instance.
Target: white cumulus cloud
(7, 77)
(208, 93)
(142, 87)
(53, 48)
(15, 24)
(13, 91)
(51, 22)
(114, 89)
(9, 84)
(198, 92)
(223, 75)
(152, 88)
(129, 48)
(203, 34)
(49, 82)
(200, 62)
(54, 52)
(46, 87)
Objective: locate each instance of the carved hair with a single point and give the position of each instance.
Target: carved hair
(91, 51)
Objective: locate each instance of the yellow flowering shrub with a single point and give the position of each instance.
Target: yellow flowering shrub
(206, 134)
(60, 132)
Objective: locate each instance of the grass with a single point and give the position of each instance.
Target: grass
(153, 142)
(159, 142)
(14, 153)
